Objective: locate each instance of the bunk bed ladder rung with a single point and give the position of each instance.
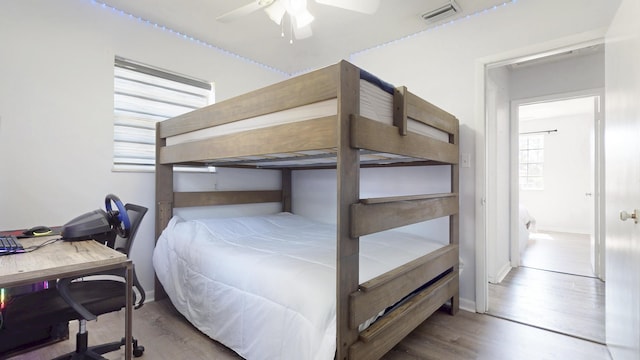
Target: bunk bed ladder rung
(211, 198)
(369, 217)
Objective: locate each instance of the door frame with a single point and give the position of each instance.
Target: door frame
(598, 173)
(482, 66)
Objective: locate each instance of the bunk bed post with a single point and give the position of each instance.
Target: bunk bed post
(348, 183)
(164, 199)
(286, 190)
(454, 220)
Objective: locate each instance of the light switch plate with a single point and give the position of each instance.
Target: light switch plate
(465, 160)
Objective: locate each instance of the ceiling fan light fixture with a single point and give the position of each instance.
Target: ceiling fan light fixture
(297, 10)
(295, 6)
(276, 12)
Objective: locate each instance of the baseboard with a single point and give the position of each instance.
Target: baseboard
(568, 231)
(149, 296)
(467, 305)
(502, 273)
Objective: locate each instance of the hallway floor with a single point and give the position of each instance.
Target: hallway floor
(561, 252)
(555, 289)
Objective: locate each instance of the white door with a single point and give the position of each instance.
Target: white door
(622, 152)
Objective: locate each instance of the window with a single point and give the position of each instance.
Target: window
(531, 162)
(144, 95)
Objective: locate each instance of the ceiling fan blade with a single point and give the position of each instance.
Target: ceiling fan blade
(244, 10)
(362, 6)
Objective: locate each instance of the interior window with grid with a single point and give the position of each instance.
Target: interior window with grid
(531, 162)
(144, 95)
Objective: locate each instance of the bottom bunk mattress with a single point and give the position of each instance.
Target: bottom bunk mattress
(265, 286)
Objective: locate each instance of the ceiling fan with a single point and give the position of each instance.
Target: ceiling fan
(299, 16)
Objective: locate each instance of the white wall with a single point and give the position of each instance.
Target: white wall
(56, 110)
(56, 96)
(572, 74)
(443, 66)
(562, 204)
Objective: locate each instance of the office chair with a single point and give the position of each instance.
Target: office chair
(84, 298)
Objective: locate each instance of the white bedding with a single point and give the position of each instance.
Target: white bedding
(526, 226)
(265, 286)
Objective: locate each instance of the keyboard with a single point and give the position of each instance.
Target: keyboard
(9, 244)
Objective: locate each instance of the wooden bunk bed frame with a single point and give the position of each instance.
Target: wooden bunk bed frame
(347, 132)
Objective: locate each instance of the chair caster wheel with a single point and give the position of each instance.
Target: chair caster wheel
(138, 350)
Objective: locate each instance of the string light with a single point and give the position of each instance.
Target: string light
(185, 36)
(229, 53)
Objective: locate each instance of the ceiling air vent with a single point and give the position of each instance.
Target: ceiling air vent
(449, 9)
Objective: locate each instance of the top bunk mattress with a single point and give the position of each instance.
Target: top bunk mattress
(376, 103)
(265, 286)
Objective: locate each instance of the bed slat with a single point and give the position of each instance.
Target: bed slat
(389, 288)
(384, 334)
(209, 198)
(372, 135)
(305, 135)
(380, 216)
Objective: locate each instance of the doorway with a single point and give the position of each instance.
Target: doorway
(552, 283)
(554, 162)
(498, 253)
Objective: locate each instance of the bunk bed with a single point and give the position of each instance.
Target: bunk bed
(338, 117)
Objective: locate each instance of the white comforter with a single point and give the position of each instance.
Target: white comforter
(265, 286)
(526, 226)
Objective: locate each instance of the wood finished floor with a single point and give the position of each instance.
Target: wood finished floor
(561, 252)
(166, 335)
(546, 293)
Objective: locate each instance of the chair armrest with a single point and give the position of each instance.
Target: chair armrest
(63, 289)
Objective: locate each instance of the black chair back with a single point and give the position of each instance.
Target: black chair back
(136, 214)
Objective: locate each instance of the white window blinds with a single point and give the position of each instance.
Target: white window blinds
(143, 96)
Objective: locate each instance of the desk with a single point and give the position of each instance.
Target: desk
(68, 259)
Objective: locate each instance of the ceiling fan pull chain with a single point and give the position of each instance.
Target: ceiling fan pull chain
(290, 29)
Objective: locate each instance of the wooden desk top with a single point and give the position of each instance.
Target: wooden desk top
(57, 260)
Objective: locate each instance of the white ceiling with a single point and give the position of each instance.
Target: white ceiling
(557, 109)
(337, 33)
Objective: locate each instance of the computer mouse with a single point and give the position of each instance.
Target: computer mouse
(37, 231)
